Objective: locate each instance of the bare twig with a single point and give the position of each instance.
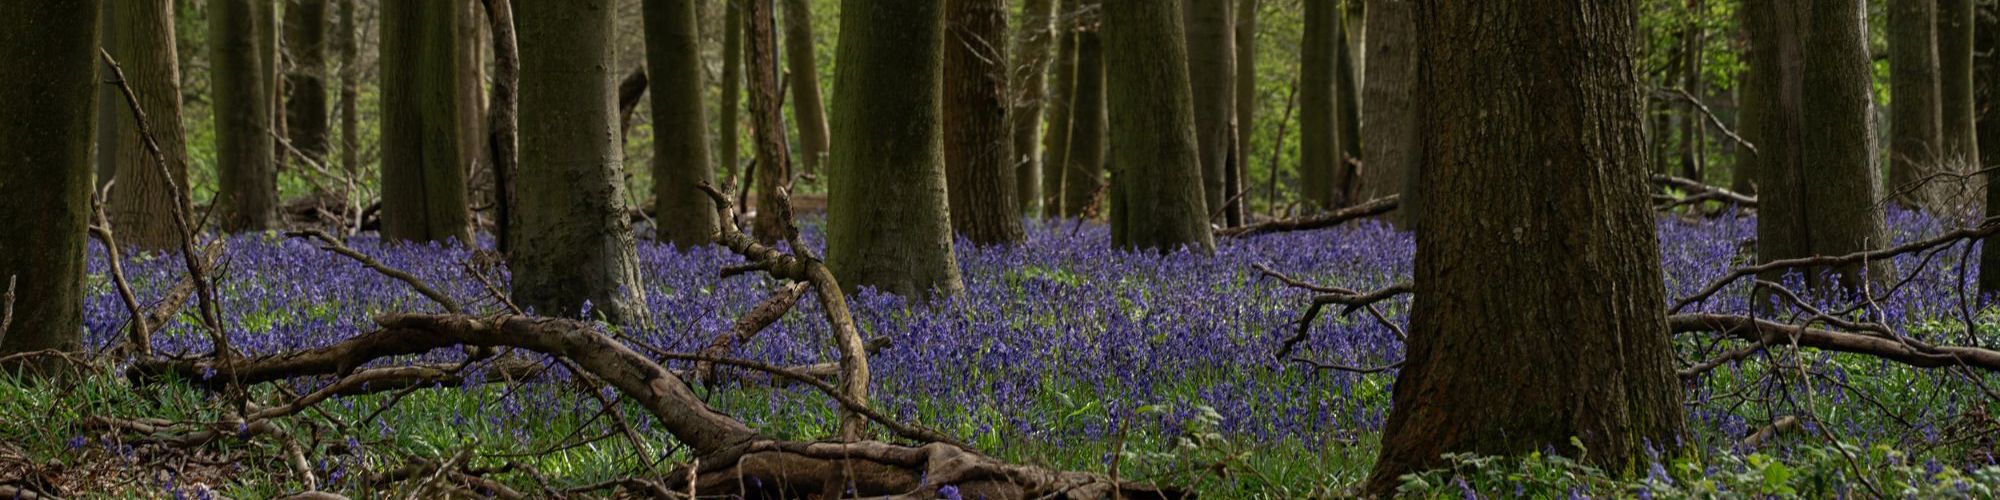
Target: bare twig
(141, 339)
(329, 243)
(1368, 208)
(1701, 192)
(1713, 121)
(1986, 228)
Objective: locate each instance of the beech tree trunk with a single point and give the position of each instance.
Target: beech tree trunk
(348, 44)
(1915, 110)
(978, 152)
(1389, 127)
(574, 250)
(244, 158)
(503, 145)
(305, 78)
(45, 171)
(1754, 111)
(1211, 46)
(1954, 49)
(141, 37)
(888, 225)
(424, 153)
(1030, 90)
(732, 88)
(807, 107)
(1158, 175)
(1062, 101)
(1320, 167)
(1529, 328)
(1083, 170)
(1347, 123)
(1237, 209)
(767, 121)
(684, 214)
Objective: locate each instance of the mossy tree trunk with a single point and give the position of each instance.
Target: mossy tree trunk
(1211, 48)
(1915, 109)
(1158, 178)
(767, 121)
(808, 109)
(1320, 149)
(978, 149)
(1389, 126)
(424, 153)
(1531, 328)
(574, 248)
(1954, 51)
(45, 171)
(1028, 97)
(888, 224)
(141, 37)
(685, 215)
(242, 100)
(731, 132)
(305, 78)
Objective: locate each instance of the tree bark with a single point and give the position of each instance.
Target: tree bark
(1236, 211)
(767, 121)
(978, 155)
(1389, 126)
(423, 135)
(1501, 256)
(1320, 167)
(1754, 111)
(1062, 102)
(470, 63)
(684, 214)
(503, 145)
(732, 88)
(1989, 126)
(1915, 109)
(348, 44)
(1954, 49)
(1211, 47)
(574, 250)
(1083, 169)
(1347, 124)
(1816, 169)
(305, 78)
(141, 37)
(1158, 179)
(1693, 127)
(241, 97)
(807, 107)
(1030, 89)
(45, 173)
(888, 225)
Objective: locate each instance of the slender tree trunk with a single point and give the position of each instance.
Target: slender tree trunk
(503, 146)
(732, 87)
(270, 35)
(1211, 46)
(1584, 367)
(1954, 50)
(977, 149)
(888, 225)
(807, 107)
(1062, 102)
(1915, 110)
(305, 105)
(1389, 126)
(1754, 111)
(1693, 128)
(1989, 134)
(349, 46)
(1030, 87)
(470, 63)
(140, 35)
(423, 149)
(1347, 102)
(1320, 168)
(45, 172)
(1083, 171)
(574, 251)
(767, 121)
(685, 215)
(1158, 177)
(241, 99)
(1237, 209)
(1816, 172)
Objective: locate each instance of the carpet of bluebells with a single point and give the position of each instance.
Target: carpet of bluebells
(1067, 353)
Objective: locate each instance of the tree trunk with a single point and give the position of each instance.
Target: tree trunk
(887, 222)
(977, 150)
(1693, 126)
(1237, 209)
(1581, 351)
(348, 44)
(1754, 111)
(807, 107)
(141, 37)
(574, 251)
(1954, 51)
(1083, 170)
(470, 63)
(732, 88)
(1211, 52)
(45, 172)
(1816, 172)
(423, 149)
(1389, 126)
(1158, 176)
(1030, 88)
(684, 214)
(241, 99)
(503, 145)
(1915, 119)
(1347, 102)
(1989, 126)
(305, 104)
(767, 121)
(1320, 168)
(1062, 103)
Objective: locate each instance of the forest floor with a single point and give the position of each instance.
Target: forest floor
(1062, 352)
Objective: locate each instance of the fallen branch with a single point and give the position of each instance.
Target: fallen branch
(331, 244)
(1764, 434)
(1368, 208)
(1899, 349)
(1700, 193)
(141, 339)
(1986, 228)
(747, 326)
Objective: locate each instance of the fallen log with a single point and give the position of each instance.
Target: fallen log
(1368, 208)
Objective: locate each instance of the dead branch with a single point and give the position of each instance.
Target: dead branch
(1699, 193)
(1683, 95)
(1352, 302)
(1764, 434)
(141, 339)
(748, 325)
(1899, 349)
(331, 244)
(1368, 208)
(1986, 228)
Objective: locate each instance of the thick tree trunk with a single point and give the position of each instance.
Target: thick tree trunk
(732, 88)
(1030, 87)
(1236, 212)
(1954, 50)
(1062, 102)
(1915, 110)
(141, 37)
(1754, 111)
(1083, 170)
(1320, 167)
(767, 121)
(1157, 180)
(1582, 352)
(1347, 124)
(45, 171)
(305, 79)
(1989, 128)
(887, 222)
(807, 107)
(470, 63)
(423, 138)
(978, 155)
(1211, 50)
(1389, 126)
(241, 98)
(574, 250)
(684, 214)
(1816, 170)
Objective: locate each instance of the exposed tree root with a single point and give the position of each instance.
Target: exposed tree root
(1368, 208)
